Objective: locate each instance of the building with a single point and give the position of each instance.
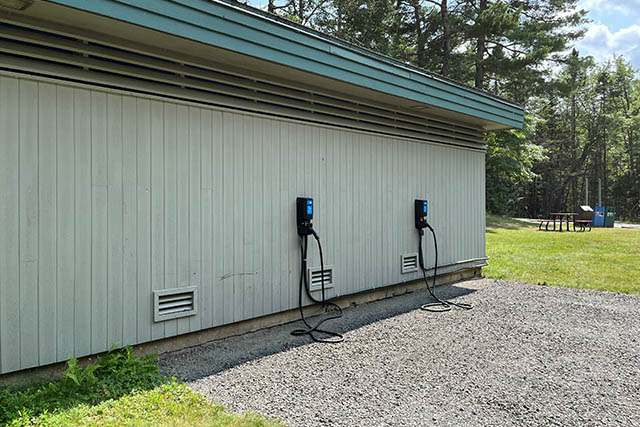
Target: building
(151, 146)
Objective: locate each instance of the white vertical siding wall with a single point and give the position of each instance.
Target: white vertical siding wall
(105, 197)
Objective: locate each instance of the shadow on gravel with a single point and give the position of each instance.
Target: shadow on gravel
(198, 362)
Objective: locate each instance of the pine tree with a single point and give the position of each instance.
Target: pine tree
(514, 40)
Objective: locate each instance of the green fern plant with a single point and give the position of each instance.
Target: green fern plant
(117, 374)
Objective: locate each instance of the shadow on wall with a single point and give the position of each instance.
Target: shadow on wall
(198, 362)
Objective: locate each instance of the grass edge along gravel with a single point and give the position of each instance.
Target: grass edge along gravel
(119, 389)
(603, 259)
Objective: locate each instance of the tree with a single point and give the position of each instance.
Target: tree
(304, 12)
(446, 35)
(513, 40)
(368, 23)
(509, 162)
(272, 7)
(589, 125)
(625, 92)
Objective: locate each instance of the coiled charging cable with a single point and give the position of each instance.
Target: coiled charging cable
(310, 330)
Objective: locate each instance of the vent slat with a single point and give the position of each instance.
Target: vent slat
(174, 303)
(178, 297)
(176, 310)
(184, 303)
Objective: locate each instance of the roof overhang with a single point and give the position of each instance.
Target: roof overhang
(247, 39)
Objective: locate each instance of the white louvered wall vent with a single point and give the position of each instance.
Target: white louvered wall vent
(315, 276)
(173, 303)
(409, 263)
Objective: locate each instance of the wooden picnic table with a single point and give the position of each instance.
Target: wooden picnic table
(560, 216)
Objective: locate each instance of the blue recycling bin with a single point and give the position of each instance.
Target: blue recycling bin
(598, 216)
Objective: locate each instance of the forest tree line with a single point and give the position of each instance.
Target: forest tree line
(583, 118)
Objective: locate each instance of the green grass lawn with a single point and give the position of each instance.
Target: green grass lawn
(119, 390)
(605, 258)
(170, 404)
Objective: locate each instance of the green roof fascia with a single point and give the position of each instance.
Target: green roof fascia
(242, 30)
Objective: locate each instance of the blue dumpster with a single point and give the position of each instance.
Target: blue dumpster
(598, 216)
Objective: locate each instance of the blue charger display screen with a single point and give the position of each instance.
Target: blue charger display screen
(425, 207)
(309, 207)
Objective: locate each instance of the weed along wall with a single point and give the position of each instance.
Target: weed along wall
(147, 193)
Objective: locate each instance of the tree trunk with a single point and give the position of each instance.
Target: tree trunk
(446, 38)
(397, 31)
(635, 182)
(421, 60)
(632, 158)
(605, 169)
(574, 149)
(480, 47)
(604, 149)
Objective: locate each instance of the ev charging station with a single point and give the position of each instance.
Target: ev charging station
(421, 209)
(304, 220)
(304, 224)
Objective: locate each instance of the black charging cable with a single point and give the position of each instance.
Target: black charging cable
(304, 283)
(439, 305)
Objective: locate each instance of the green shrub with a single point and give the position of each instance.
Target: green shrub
(117, 374)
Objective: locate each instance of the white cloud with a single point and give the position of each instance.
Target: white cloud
(629, 7)
(602, 44)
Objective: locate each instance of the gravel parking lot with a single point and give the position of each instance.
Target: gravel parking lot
(525, 355)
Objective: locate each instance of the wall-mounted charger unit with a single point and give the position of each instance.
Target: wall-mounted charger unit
(313, 279)
(304, 216)
(421, 210)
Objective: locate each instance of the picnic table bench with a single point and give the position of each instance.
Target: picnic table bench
(562, 217)
(583, 223)
(546, 223)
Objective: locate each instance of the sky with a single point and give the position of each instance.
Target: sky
(615, 30)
